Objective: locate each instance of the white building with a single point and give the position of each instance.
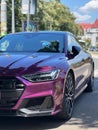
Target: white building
(90, 31)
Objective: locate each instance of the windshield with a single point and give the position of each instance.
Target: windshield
(40, 42)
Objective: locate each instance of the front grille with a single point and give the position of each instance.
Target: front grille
(10, 91)
(10, 83)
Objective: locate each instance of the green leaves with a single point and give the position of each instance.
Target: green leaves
(55, 16)
(51, 15)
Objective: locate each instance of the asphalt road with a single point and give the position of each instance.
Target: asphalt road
(85, 115)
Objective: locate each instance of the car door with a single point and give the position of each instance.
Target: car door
(77, 62)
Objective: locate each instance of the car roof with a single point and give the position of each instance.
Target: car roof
(42, 32)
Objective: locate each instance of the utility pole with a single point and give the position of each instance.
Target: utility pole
(13, 17)
(28, 7)
(28, 16)
(3, 17)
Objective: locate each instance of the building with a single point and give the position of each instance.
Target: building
(90, 31)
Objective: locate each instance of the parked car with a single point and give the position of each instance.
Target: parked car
(42, 73)
(93, 48)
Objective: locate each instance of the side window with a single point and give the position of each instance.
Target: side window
(73, 47)
(70, 44)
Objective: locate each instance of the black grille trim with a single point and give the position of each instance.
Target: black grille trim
(10, 83)
(10, 91)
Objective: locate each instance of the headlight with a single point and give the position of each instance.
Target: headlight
(45, 76)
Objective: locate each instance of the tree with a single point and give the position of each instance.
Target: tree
(18, 15)
(56, 16)
(51, 15)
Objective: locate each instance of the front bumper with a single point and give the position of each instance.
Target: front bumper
(41, 106)
(22, 98)
(24, 113)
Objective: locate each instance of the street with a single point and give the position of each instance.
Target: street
(85, 115)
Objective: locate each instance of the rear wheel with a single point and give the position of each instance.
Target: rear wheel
(68, 100)
(90, 84)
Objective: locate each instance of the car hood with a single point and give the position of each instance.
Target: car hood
(23, 63)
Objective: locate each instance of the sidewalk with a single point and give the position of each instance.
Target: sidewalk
(94, 55)
(96, 71)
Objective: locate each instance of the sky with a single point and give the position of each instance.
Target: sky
(84, 10)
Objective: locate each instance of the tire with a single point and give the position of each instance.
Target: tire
(68, 100)
(90, 84)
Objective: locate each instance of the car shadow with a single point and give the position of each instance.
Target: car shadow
(85, 115)
(35, 123)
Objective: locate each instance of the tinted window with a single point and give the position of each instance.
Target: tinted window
(32, 42)
(72, 42)
(73, 47)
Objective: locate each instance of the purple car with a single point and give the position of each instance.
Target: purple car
(42, 73)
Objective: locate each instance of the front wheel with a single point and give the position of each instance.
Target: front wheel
(68, 100)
